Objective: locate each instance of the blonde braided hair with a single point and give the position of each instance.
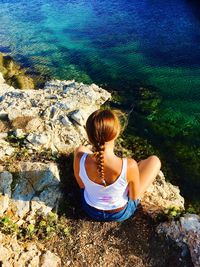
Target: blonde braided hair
(102, 126)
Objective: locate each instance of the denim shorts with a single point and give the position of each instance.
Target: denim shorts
(119, 216)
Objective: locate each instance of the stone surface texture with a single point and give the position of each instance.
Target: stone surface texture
(50, 118)
(16, 254)
(33, 187)
(186, 231)
(160, 196)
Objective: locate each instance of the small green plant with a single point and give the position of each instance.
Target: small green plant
(7, 226)
(170, 214)
(193, 208)
(173, 213)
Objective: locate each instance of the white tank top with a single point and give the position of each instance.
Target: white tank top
(105, 198)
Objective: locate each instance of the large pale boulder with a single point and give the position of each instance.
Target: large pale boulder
(33, 186)
(160, 196)
(54, 117)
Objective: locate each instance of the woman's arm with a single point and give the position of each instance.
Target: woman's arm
(141, 175)
(78, 153)
(133, 179)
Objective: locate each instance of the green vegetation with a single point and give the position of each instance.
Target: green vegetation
(170, 214)
(41, 227)
(193, 208)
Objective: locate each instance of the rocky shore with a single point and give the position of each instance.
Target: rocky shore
(14, 74)
(50, 121)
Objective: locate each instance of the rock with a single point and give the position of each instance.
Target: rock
(38, 206)
(5, 150)
(4, 203)
(4, 252)
(184, 231)
(190, 222)
(60, 85)
(14, 114)
(3, 135)
(160, 196)
(44, 114)
(50, 198)
(38, 139)
(3, 115)
(31, 256)
(3, 127)
(80, 117)
(14, 74)
(36, 186)
(35, 125)
(15, 254)
(1, 168)
(18, 133)
(21, 81)
(5, 183)
(20, 207)
(9, 151)
(21, 116)
(1, 75)
(66, 122)
(50, 259)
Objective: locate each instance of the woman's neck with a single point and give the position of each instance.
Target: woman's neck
(109, 148)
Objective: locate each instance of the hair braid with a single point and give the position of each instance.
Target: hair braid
(99, 155)
(102, 126)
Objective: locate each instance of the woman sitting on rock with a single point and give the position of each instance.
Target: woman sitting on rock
(111, 186)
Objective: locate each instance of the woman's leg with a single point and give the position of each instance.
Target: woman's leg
(148, 169)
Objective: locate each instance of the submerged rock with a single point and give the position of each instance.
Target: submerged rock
(14, 75)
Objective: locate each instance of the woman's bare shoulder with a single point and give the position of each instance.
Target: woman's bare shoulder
(80, 150)
(132, 170)
(131, 163)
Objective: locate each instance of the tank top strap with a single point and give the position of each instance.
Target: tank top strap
(82, 161)
(124, 169)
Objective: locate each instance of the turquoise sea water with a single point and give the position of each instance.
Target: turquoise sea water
(115, 44)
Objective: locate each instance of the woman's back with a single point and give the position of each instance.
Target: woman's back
(112, 169)
(104, 197)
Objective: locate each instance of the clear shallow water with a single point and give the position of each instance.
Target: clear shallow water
(114, 43)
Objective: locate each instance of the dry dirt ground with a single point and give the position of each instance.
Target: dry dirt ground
(111, 244)
(130, 243)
